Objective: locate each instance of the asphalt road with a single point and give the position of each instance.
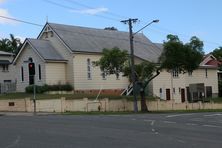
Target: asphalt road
(192, 130)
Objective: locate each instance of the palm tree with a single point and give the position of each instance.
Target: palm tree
(5, 45)
(15, 44)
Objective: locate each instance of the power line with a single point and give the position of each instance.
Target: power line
(89, 7)
(72, 8)
(22, 21)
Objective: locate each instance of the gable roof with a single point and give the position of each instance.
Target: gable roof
(82, 39)
(44, 49)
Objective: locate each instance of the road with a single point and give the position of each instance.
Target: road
(187, 130)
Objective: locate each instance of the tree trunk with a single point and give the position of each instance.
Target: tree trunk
(143, 101)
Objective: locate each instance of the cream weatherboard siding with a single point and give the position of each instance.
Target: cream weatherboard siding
(96, 82)
(166, 81)
(64, 52)
(55, 73)
(27, 53)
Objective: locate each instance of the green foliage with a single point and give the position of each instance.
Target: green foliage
(10, 45)
(45, 88)
(185, 57)
(217, 53)
(112, 61)
(143, 71)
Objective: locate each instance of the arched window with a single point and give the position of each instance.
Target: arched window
(22, 74)
(89, 75)
(30, 60)
(40, 72)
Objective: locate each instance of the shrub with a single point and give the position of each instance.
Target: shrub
(45, 88)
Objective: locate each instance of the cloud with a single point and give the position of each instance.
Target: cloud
(5, 13)
(1, 1)
(93, 11)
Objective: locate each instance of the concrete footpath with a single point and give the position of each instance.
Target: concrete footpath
(25, 113)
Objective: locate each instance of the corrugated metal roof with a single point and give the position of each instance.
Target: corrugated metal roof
(82, 39)
(46, 49)
(6, 53)
(7, 62)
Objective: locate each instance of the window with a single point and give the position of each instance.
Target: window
(206, 73)
(89, 76)
(174, 90)
(160, 90)
(5, 68)
(22, 74)
(104, 75)
(40, 72)
(190, 73)
(175, 73)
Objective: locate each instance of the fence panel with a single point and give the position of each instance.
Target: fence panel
(7, 87)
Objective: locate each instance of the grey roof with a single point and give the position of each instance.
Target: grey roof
(45, 49)
(7, 62)
(82, 39)
(6, 53)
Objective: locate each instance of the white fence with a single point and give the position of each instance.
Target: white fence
(85, 105)
(7, 87)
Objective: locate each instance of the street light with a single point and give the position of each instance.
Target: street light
(154, 21)
(131, 36)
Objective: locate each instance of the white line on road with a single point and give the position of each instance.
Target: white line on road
(14, 143)
(178, 115)
(211, 115)
(171, 122)
(148, 120)
(152, 123)
(214, 126)
(191, 124)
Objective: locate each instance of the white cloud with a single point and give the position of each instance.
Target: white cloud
(93, 11)
(22, 39)
(5, 13)
(1, 1)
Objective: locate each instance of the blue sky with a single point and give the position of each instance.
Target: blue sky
(185, 18)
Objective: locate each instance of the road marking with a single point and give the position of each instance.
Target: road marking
(133, 119)
(152, 123)
(214, 126)
(14, 143)
(178, 115)
(181, 141)
(211, 115)
(171, 122)
(148, 120)
(191, 124)
(196, 119)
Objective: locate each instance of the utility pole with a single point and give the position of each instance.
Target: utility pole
(130, 21)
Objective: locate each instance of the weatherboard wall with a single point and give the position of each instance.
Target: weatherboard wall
(27, 53)
(96, 82)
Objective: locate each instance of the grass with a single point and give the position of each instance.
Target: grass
(150, 112)
(216, 100)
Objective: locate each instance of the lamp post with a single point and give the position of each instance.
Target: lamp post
(131, 36)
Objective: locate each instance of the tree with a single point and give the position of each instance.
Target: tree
(184, 57)
(217, 53)
(114, 61)
(10, 45)
(145, 72)
(111, 28)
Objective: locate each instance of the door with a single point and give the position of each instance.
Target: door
(167, 94)
(182, 94)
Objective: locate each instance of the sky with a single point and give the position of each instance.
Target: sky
(185, 18)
